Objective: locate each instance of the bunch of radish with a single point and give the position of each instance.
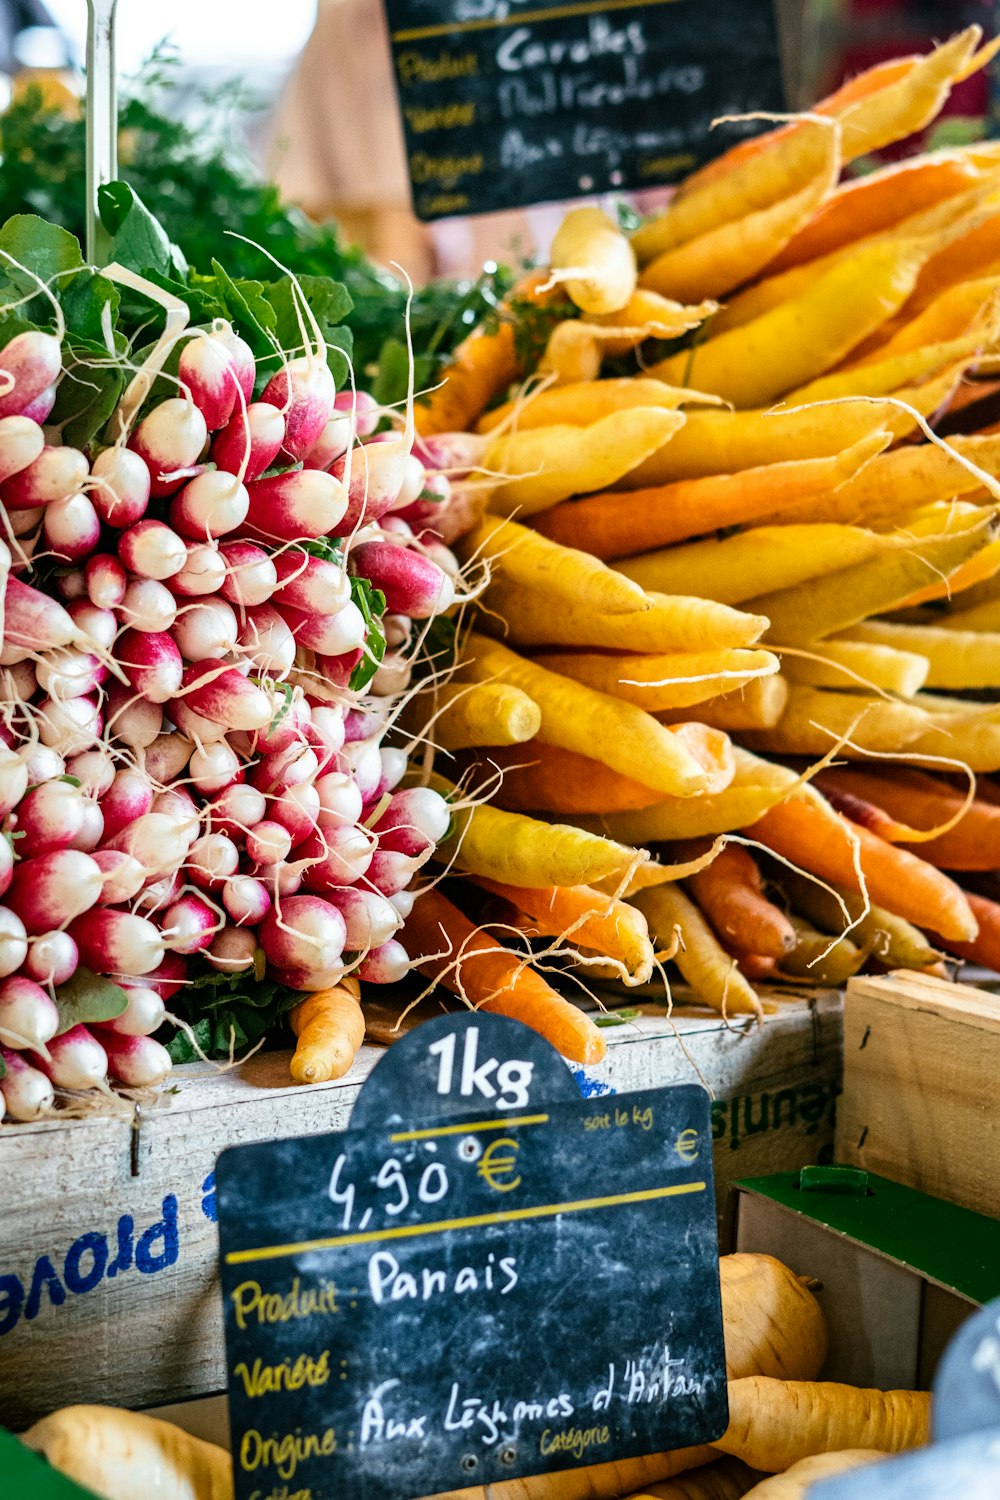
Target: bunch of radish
(187, 775)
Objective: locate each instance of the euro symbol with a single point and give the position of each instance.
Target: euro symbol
(686, 1145)
(498, 1164)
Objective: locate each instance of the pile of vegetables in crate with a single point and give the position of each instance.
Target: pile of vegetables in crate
(787, 1427)
(209, 584)
(744, 606)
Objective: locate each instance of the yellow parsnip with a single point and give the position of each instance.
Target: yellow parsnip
(775, 1423)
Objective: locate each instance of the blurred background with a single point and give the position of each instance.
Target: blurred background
(301, 93)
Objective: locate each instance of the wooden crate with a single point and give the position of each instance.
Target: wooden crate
(921, 1101)
(107, 1236)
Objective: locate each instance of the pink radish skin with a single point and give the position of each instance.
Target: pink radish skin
(13, 942)
(391, 872)
(364, 759)
(310, 583)
(152, 662)
(279, 880)
(304, 391)
(135, 1061)
(202, 573)
(246, 900)
(268, 844)
(241, 356)
(6, 865)
(330, 635)
(51, 890)
(222, 695)
(303, 504)
(168, 979)
(337, 670)
(28, 1015)
(71, 528)
(214, 767)
(157, 895)
(309, 979)
(394, 765)
(76, 1060)
(207, 368)
(98, 625)
(189, 925)
(193, 725)
(297, 809)
(94, 770)
(266, 428)
(177, 804)
(143, 1014)
(54, 474)
(29, 363)
(429, 502)
(377, 472)
(124, 877)
(40, 409)
(107, 581)
(117, 942)
(212, 859)
(170, 440)
(167, 756)
(362, 723)
(236, 810)
(130, 796)
(308, 932)
(403, 903)
(206, 631)
(119, 487)
(209, 506)
(370, 918)
(147, 605)
(362, 408)
(251, 577)
(289, 726)
(385, 965)
(52, 958)
(266, 642)
(21, 442)
(50, 817)
(415, 821)
(151, 550)
(69, 725)
(27, 1093)
(232, 950)
(332, 443)
(133, 719)
(412, 585)
(275, 774)
(337, 857)
(34, 622)
(328, 728)
(70, 674)
(159, 843)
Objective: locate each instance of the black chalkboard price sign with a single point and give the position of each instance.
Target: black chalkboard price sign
(486, 1276)
(507, 102)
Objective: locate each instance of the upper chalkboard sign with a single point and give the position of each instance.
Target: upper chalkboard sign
(510, 102)
(485, 1277)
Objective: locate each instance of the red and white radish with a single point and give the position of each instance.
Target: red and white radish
(119, 487)
(152, 663)
(251, 576)
(144, 1013)
(207, 630)
(412, 584)
(246, 900)
(112, 941)
(54, 474)
(210, 505)
(304, 931)
(52, 889)
(152, 550)
(304, 392)
(52, 958)
(202, 573)
(189, 924)
(303, 504)
(261, 430)
(76, 1060)
(27, 1093)
(71, 528)
(170, 440)
(385, 965)
(232, 950)
(106, 581)
(135, 1061)
(28, 1015)
(147, 605)
(69, 725)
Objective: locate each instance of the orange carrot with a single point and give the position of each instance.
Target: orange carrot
(730, 894)
(544, 778)
(806, 831)
(867, 205)
(484, 364)
(587, 919)
(609, 524)
(467, 961)
(984, 949)
(910, 802)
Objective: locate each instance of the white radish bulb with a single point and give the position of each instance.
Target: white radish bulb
(170, 439)
(27, 1093)
(13, 779)
(214, 767)
(134, 720)
(203, 572)
(206, 631)
(69, 674)
(93, 769)
(53, 958)
(371, 919)
(246, 900)
(340, 801)
(266, 642)
(136, 1061)
(212, 859)
(71, 528)
(42, 763)
(211, 505)
(167, 756)
(251, 577)
(69, 726)
(386, 965)
(237, 809)
(92, 831)
(268, 843)
(124, 876)
(151, 550)
(119, 487)
(28, 1015)
(76, 1060)
(99, 625)
(148, 605)
(143, 1014)
(13, 942)
(117, 942)
(189, 925)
